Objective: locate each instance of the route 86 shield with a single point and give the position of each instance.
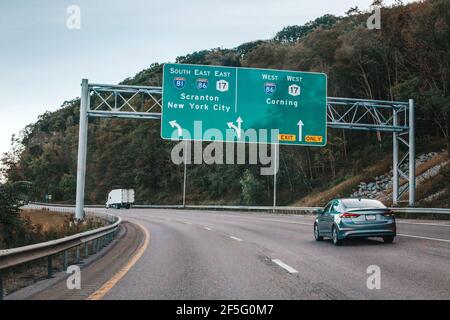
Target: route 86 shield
(270, 87)
(202, 84)
(179, 82)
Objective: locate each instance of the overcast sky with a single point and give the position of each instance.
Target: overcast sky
(42, 62)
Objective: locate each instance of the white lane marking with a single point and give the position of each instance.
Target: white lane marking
(186, 222)
(207, 228)
(235, 238)
(425, 224)
(425, 238)
(284, 266)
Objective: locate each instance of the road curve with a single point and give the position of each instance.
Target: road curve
(226, 255)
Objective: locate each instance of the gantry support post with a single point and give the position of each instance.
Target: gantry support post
(395, 162)
(82, 148)
(412, 155)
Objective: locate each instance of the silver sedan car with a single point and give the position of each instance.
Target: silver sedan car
(355, 217)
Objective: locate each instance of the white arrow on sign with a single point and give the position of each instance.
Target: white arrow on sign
(174, 124)
(300, 127)
(238, 128)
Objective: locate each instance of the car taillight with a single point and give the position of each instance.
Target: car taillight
(349, 215)
(389, 213)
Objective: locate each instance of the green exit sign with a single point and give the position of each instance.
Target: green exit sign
(213, 103)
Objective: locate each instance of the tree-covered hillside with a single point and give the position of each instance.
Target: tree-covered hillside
(408, 57)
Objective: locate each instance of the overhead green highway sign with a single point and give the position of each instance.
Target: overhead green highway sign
(214, 103)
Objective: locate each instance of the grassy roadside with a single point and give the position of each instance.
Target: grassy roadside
(44, 225)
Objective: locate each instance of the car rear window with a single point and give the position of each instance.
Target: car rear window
(362, 203)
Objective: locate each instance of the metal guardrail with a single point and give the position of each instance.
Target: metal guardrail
(290, 209)
(422, 210)
(99, 238)
(286, 209)
(278, 209)
(62, 205)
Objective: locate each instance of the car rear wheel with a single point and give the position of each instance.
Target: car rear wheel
(388, 239)
(316, 233)
(334, 237)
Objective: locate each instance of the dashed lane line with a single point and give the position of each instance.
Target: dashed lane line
(284, 266)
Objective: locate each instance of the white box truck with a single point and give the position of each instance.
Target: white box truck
(120, 198)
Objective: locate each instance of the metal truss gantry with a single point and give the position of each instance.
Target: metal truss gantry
(144, 102)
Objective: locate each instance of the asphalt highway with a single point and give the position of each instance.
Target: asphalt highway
(228, 255)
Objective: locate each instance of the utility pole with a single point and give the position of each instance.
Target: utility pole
(275, 177)
(184, 179)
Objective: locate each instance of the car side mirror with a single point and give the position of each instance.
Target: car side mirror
(319, 211)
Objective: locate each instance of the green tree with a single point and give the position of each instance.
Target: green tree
(12, 227)
(252, 190)
(68, 185)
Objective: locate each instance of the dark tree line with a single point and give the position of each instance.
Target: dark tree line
(407, 58)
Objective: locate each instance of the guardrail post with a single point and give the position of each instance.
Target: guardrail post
(78, 255)
(1, 285)
(49, 266)
(86, 250)
(65, 260)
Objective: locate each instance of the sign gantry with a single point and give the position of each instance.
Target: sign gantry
(250, 105)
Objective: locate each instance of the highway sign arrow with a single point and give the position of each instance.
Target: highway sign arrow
(236, 128)
(174, 124)
(300, 129)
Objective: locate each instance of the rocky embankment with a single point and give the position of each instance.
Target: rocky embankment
(383, 183)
